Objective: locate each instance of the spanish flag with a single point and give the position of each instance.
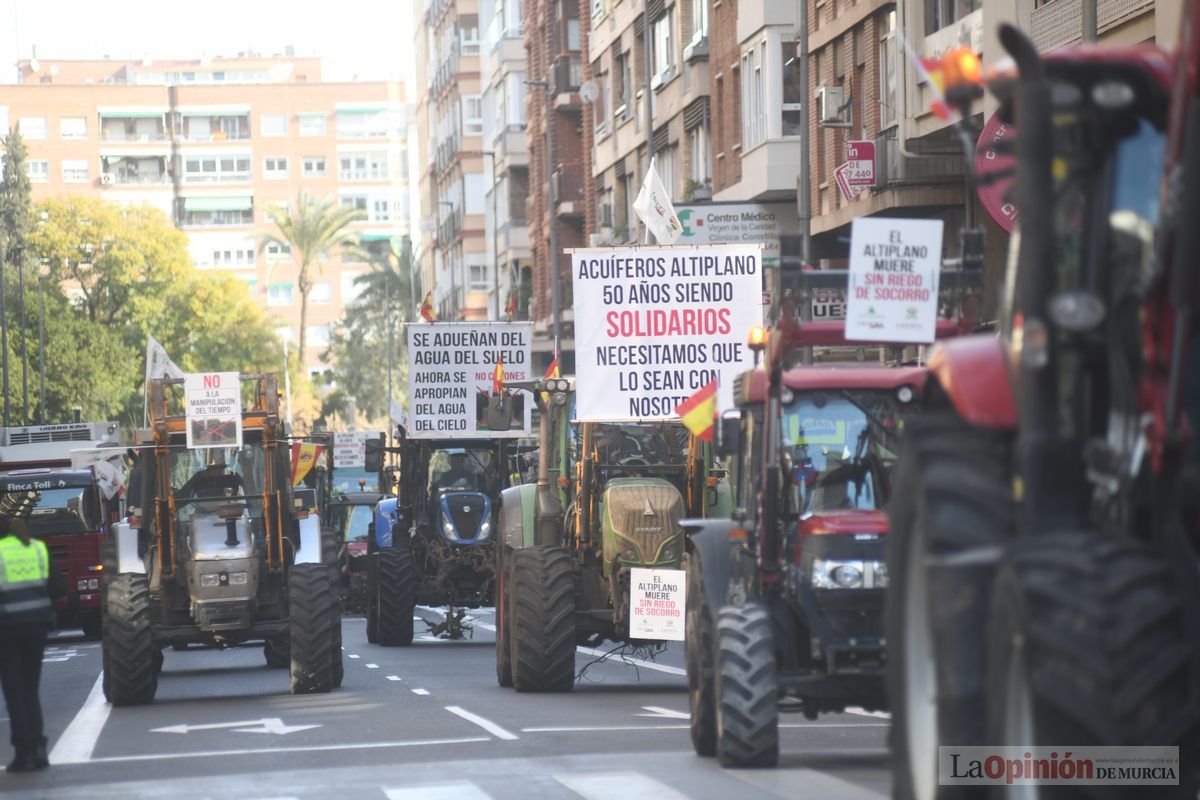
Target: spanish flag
(427, 312)
(551, 372)
(498, 377)
(510, 307)
(304, 458)
(934, 72)
(699, 411)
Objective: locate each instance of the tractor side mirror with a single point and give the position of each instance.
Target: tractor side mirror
(729, 435)
(374, 456)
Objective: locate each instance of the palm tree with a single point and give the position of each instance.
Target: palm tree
(313, 230)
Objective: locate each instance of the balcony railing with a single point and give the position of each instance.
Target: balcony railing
(113, 135)
(449, 227)
(446, 154)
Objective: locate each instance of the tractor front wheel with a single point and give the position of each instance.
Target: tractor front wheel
(504, 670)
(542, 634)
(397, 596)
(700, 647)
(130, 658)
(747, 695)
(311, 596)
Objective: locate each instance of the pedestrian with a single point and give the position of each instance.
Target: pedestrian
(29, 584)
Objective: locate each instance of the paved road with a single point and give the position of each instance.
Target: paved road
(422, 722)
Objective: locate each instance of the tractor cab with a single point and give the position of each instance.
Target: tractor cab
(460, 506)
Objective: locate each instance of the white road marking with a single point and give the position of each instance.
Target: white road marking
(603, 728)
(620, 658)
(421, 692)
(310, 749)
(626, 785)
(459, 790)
(486, 724)
(664, 713)
(393, 677)
(803, 783)
(78, 741)
(352, 655)
(269, 725)
(862, 712)
(371, 666)
(59, 655)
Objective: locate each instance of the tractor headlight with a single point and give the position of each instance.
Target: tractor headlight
(448, 529)
(81, 585)
(238, 578)
(93, 584)
(838, 573)
(210, 580)
(485, 529)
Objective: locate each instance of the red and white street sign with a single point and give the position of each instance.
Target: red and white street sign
(858, 170)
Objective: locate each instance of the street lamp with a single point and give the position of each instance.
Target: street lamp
(555, 289)
(42, 276)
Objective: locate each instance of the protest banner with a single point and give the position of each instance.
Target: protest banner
(655, 324)
(350, 449)
(894, 270)
(213, 409)
(657, 602)
(451, 371)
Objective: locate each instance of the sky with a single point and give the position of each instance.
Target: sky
(364, 39)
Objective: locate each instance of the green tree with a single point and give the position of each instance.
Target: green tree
(313, 230)
(16, 219)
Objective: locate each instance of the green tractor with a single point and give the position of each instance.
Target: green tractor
(608, 500)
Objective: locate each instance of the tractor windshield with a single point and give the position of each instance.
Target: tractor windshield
(459, 469)
(218, 472)
(842, 447)
(641, 444)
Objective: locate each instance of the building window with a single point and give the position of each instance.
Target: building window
(666, 161)
(478, 278)
(208, 128)
(312, 124)
(32, 127)
(317, 335)
(321, 294)
(944, 13)
(209, 219)
(72, 127)
(314, 166)
(274, 124)
(753, 118)
(573, 38)
(358, 201)
(701, 155)
(275, 250)
(887, 73)
(793, 90)
(38, 171)
(621, 86)
(699, 20)
(472, 108)
(514, 99)
(213, 169)
(664, 46)
(75, 171)
(275, 168)
(468, 34)
(381, 210)
(370, 166)
(279, 294)
(367, 124)
(233, 258)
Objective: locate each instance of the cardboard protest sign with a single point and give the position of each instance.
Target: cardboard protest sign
(894, 270)
(213, 408)
(655, 324)
(350, 449)
(451, 372)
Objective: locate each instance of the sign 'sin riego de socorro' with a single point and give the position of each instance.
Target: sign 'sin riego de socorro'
(451, 367)
(654, 324)
(894, 270)
(213, 409)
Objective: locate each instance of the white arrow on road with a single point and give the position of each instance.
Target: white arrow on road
(658, 712)
(268, 725)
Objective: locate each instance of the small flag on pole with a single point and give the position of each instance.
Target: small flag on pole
(304, 458)
(653, 207)
(699, 411)
(427, 312)
(498, 377)
(510, 307)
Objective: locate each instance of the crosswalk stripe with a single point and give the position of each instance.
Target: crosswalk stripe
(626, 785)
(458, 790)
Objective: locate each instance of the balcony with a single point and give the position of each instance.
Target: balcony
(566, 191)
(1059, 23)
(446, 154)
(449, 228)
(446, 71)
(141, 130)
(133, 171)
(215, 128)
(567, 77)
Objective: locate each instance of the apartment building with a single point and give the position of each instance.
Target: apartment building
(456, 263)
(506, 153)
(553, 40)
(215, 144)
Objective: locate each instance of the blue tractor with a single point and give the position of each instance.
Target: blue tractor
(433, 543)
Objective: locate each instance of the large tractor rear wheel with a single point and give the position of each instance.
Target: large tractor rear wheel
(542, 635)
(311, 598)
(1088, 646)
(951, 493)
(504, 670)
(130, 658)
(747, 694)
(397, 590)
(700, 654)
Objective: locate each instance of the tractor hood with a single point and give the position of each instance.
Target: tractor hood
(641, 523)
(464, 517)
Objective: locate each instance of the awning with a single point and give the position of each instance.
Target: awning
(148, 113)
(218, 203)
(376, 237)
(214, 111)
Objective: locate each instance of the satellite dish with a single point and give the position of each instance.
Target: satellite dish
(589, 91)
(34, 65)
(54, 69)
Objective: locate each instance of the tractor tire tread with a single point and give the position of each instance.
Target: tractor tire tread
(129, 650)
(747, 699)
(311, 596)
(543, 617)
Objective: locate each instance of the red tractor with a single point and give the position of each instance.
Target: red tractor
(1044, 585)
(785, 600)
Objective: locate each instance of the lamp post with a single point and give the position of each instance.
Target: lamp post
(42, 349)
(24, 344)
(555, 289)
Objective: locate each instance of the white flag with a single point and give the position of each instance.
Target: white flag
(653, 207)
(158, 363)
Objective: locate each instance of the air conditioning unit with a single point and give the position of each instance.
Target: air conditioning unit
(830, 104)
(606, 215)
(107, 178)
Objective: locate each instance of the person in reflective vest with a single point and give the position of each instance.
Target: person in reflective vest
(28, 586)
